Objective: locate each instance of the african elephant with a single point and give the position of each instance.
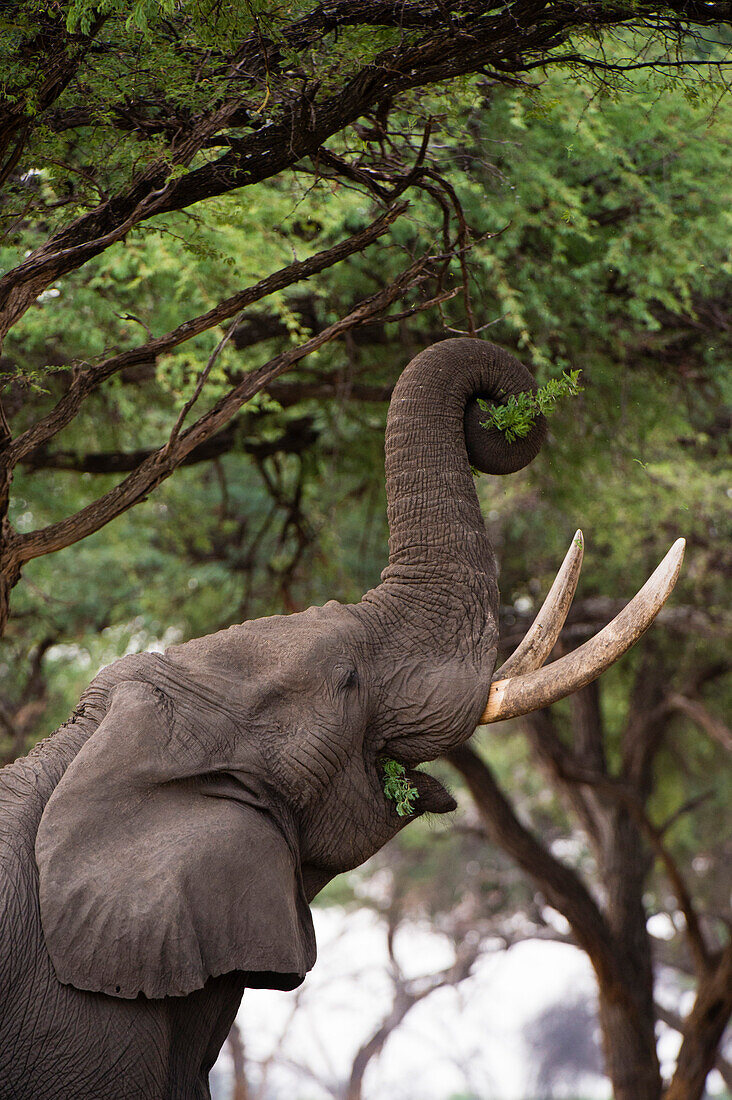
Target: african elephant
(160, 849)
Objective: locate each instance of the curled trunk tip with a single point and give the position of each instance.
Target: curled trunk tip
(503, 376)
(434, 434)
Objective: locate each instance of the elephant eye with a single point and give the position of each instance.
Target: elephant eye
(346, 676)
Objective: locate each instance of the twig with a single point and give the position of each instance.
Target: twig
(685, 808)
(202, 380)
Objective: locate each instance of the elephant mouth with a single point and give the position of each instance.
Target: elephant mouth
(413, 793)
(433, 797)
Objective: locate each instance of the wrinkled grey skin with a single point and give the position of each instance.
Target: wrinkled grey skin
(158, 851)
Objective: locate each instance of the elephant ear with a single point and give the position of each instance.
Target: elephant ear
(153, 879)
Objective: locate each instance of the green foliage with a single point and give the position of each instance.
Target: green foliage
(164, 61)
(398, 787)
(516, 416)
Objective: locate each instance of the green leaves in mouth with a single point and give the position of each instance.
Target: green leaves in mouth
(398, 787)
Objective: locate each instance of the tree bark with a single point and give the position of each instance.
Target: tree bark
(628, 1026)
(631, 1062)
(9, 574)
(240, 1090)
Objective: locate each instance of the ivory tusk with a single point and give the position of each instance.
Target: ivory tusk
(547, 626)
(516, 695)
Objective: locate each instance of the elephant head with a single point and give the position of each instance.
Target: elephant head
(227, 780)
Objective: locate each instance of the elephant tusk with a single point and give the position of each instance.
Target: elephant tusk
(547, 626)
(516, 695)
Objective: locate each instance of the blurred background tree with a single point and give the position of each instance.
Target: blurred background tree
(585, 214)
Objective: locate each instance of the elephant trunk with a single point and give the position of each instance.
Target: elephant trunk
(439, 553)
(439, 593)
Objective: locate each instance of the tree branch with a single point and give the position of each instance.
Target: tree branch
(446, 41)
(560, 885)
(676, 1023)
(621, 791)
(587, 616)
(161, 463)
(64, 52)
(407, 994)
(86, 381)
(560, 762)
(703, 1029)
(697, 943)
(297, 435)
(698, 713)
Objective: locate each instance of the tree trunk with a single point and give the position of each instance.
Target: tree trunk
(4, 604)
(630, 1056)
(9, 576)
(240, 1089)
(628, 1022)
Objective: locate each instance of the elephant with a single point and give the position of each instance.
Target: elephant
(161, 848)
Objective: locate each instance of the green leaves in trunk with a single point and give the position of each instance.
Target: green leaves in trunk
(517, 417)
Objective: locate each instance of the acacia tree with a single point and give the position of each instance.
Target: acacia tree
(132, 111)
(103, 152)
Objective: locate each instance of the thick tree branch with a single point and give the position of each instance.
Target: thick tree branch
(569, 770)
(560, 762)
(676, 1023)
(297, 436)
(695, 710)
(62, 54)
(588, 616)
(439, 42)
(697, 943)
(646, 722)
